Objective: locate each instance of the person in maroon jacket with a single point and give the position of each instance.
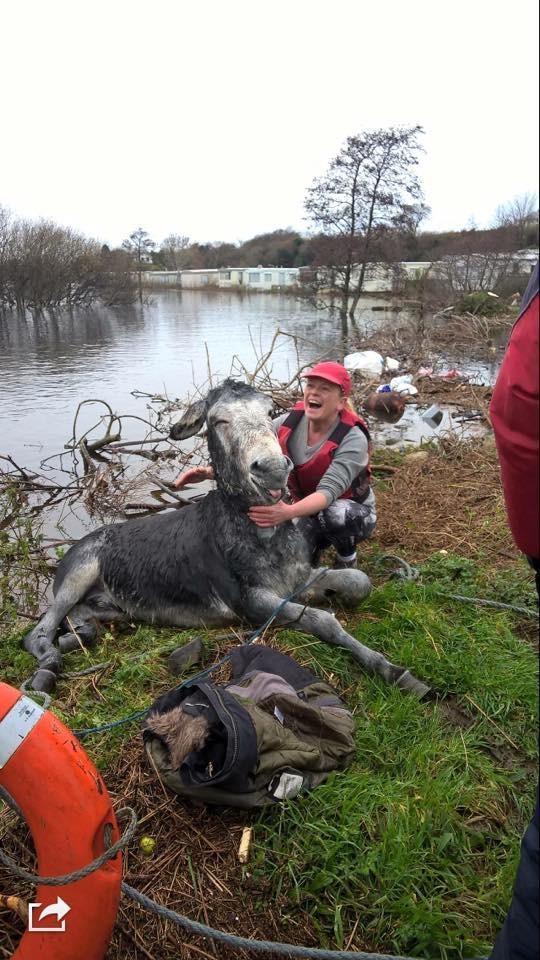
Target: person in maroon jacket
(514, 415)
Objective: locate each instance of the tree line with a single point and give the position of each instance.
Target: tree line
(368, 206)
(289, 248)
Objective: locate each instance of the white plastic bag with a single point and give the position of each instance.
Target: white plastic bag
(404, 384)
(366, 361)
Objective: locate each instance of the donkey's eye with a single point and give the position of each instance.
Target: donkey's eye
(220, 423)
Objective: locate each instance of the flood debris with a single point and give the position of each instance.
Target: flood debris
(404, 384)
(432, 416)
(245, 844)
(370, 362)
(386, 405)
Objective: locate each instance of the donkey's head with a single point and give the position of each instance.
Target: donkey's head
(246, 457)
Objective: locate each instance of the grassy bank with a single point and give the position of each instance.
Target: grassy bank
(414, 847)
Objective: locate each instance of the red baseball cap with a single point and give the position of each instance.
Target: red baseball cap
(333, 372)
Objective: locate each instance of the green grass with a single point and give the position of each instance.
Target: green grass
(418, 839)
(137, 675)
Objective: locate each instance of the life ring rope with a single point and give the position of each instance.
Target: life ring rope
(65, 878)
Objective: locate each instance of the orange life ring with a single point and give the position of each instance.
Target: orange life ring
(68, 810)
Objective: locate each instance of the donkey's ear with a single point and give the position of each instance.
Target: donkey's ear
(191, 422)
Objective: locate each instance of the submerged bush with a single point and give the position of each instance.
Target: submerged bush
(482, 304)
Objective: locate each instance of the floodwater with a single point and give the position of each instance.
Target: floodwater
(49, 364)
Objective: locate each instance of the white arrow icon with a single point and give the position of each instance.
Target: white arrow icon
(58, 910)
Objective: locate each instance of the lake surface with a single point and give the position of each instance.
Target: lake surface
(49, 364)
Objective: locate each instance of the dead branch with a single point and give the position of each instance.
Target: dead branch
(169, 489)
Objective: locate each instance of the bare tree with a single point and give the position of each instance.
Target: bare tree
(45, 266)
(408, 219)
(5, 242)
(480, 260)
(369, 186)
(518, 216)
(173, 250)
(140, 246)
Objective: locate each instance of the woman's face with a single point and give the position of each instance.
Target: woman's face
(323, 401)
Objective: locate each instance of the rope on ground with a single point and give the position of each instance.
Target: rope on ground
(257, 946)
(244, 943)
(59, 881)
(35, 693)
(524, 611)
(407, 572)
(8, 799)
(88, 731)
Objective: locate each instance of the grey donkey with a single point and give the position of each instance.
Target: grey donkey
(206, 564)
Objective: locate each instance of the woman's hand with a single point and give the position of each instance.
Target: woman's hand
(272, 515)
(193, 475)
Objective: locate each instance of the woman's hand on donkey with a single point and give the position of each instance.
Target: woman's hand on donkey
(193, 475)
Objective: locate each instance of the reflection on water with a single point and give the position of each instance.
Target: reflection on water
(49, 364)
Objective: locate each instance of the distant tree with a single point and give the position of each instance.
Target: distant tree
(520, 216)
(280, 248)
(117, 287)
(369, 186)
(158, 259)
(5, 244)
(140, 246)
(173, 251)
(408, 219)
(45, 266)
(220, 254)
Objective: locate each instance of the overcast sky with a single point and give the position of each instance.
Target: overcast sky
(210, 118)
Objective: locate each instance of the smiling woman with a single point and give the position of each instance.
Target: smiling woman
(328, 444)
(329, 492)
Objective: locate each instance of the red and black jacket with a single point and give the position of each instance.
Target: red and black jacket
(305, 478)
(514, 416)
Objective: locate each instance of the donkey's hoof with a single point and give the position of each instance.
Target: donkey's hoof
(44, 680)
(406, 681)
(185, 657)
(85, 637)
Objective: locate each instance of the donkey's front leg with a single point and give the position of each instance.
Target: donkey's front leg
(259, 604)
(40, 643)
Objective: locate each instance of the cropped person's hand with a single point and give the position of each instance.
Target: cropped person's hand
(193, 475)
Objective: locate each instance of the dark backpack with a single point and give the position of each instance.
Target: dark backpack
(274, 731)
